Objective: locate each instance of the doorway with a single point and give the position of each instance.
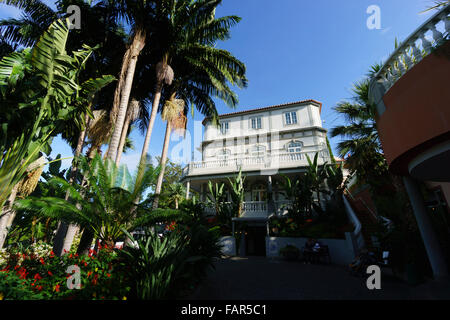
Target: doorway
(255, 244)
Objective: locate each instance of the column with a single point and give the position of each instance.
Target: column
(429, 238)
(270, 203)
(188, 187)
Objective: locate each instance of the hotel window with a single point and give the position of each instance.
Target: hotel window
(258, 151)
(224, 154)
(224, 127)
(290, 118)
(295, 146)
(255, 123)
(259, 193)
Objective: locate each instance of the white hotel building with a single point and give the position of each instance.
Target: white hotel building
(264, 143)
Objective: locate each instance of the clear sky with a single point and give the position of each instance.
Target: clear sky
(295, 50)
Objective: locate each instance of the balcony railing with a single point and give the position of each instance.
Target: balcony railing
(410, 52)
(255, 208)
(255, 163)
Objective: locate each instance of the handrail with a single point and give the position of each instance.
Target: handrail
(352, 215)
(400, 61)
(363, 202)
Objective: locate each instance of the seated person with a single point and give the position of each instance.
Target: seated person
(308, 250)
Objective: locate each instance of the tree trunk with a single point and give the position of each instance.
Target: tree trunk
(65, 233)
(86, 241)
(136, 47)
(176, 203)
(123, 138)
(8, 216)
(118, 91)
(162, 164)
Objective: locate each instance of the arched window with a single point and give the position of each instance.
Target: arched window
(294, 146)
(258, 151)
(223, 154)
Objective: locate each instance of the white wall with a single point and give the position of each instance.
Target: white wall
(341, 250)
(273, 121)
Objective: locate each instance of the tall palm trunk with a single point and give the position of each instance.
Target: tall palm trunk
(136, 48)
(118, 90)
(66, 233)
(163, 164)
(123, 138)
(164, 74)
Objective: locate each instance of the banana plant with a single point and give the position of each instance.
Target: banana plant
(237, 193)
(39, 95)
(317, 175)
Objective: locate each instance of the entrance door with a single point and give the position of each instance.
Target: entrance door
(255, 241)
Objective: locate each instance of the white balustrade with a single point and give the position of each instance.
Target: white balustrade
(288, 159)
(407, 54)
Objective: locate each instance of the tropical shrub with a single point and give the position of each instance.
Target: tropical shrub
(37, 273)
(168, 266)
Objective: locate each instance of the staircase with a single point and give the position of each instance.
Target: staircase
(368, 219)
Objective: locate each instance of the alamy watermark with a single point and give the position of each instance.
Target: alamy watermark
(75, 16)
(74, 278)
(374, 20)
(374, 280)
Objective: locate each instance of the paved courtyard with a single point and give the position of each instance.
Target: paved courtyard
(248, 278)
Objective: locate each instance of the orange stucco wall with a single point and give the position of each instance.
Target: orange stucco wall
(417, 108)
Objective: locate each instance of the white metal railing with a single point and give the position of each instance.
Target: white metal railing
(267, 161)
(357, 232)
(409, 53)
(253, 208)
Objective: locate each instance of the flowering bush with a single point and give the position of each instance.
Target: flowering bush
(33, 275)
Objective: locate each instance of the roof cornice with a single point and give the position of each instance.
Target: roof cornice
(256, 110)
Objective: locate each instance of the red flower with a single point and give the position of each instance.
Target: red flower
(57, 287)
(89, 274)
(70, 256)
(50, 273)
(37, 276)
(42, 261)
(108, 275)
(39, 288)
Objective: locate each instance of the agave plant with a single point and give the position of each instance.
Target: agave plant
(154, 263)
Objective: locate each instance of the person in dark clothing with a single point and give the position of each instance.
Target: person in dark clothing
(308, 250)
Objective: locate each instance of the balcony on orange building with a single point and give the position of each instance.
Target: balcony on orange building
(412, 95)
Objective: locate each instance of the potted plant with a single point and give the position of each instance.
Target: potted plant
(290, 252)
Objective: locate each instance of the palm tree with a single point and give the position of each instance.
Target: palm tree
(202, 70)
(174, 114)
(133, 112)
(361, 148)
(184, 38)
(176, 193)
(140, 15)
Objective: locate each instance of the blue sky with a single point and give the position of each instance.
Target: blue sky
(296, 50)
